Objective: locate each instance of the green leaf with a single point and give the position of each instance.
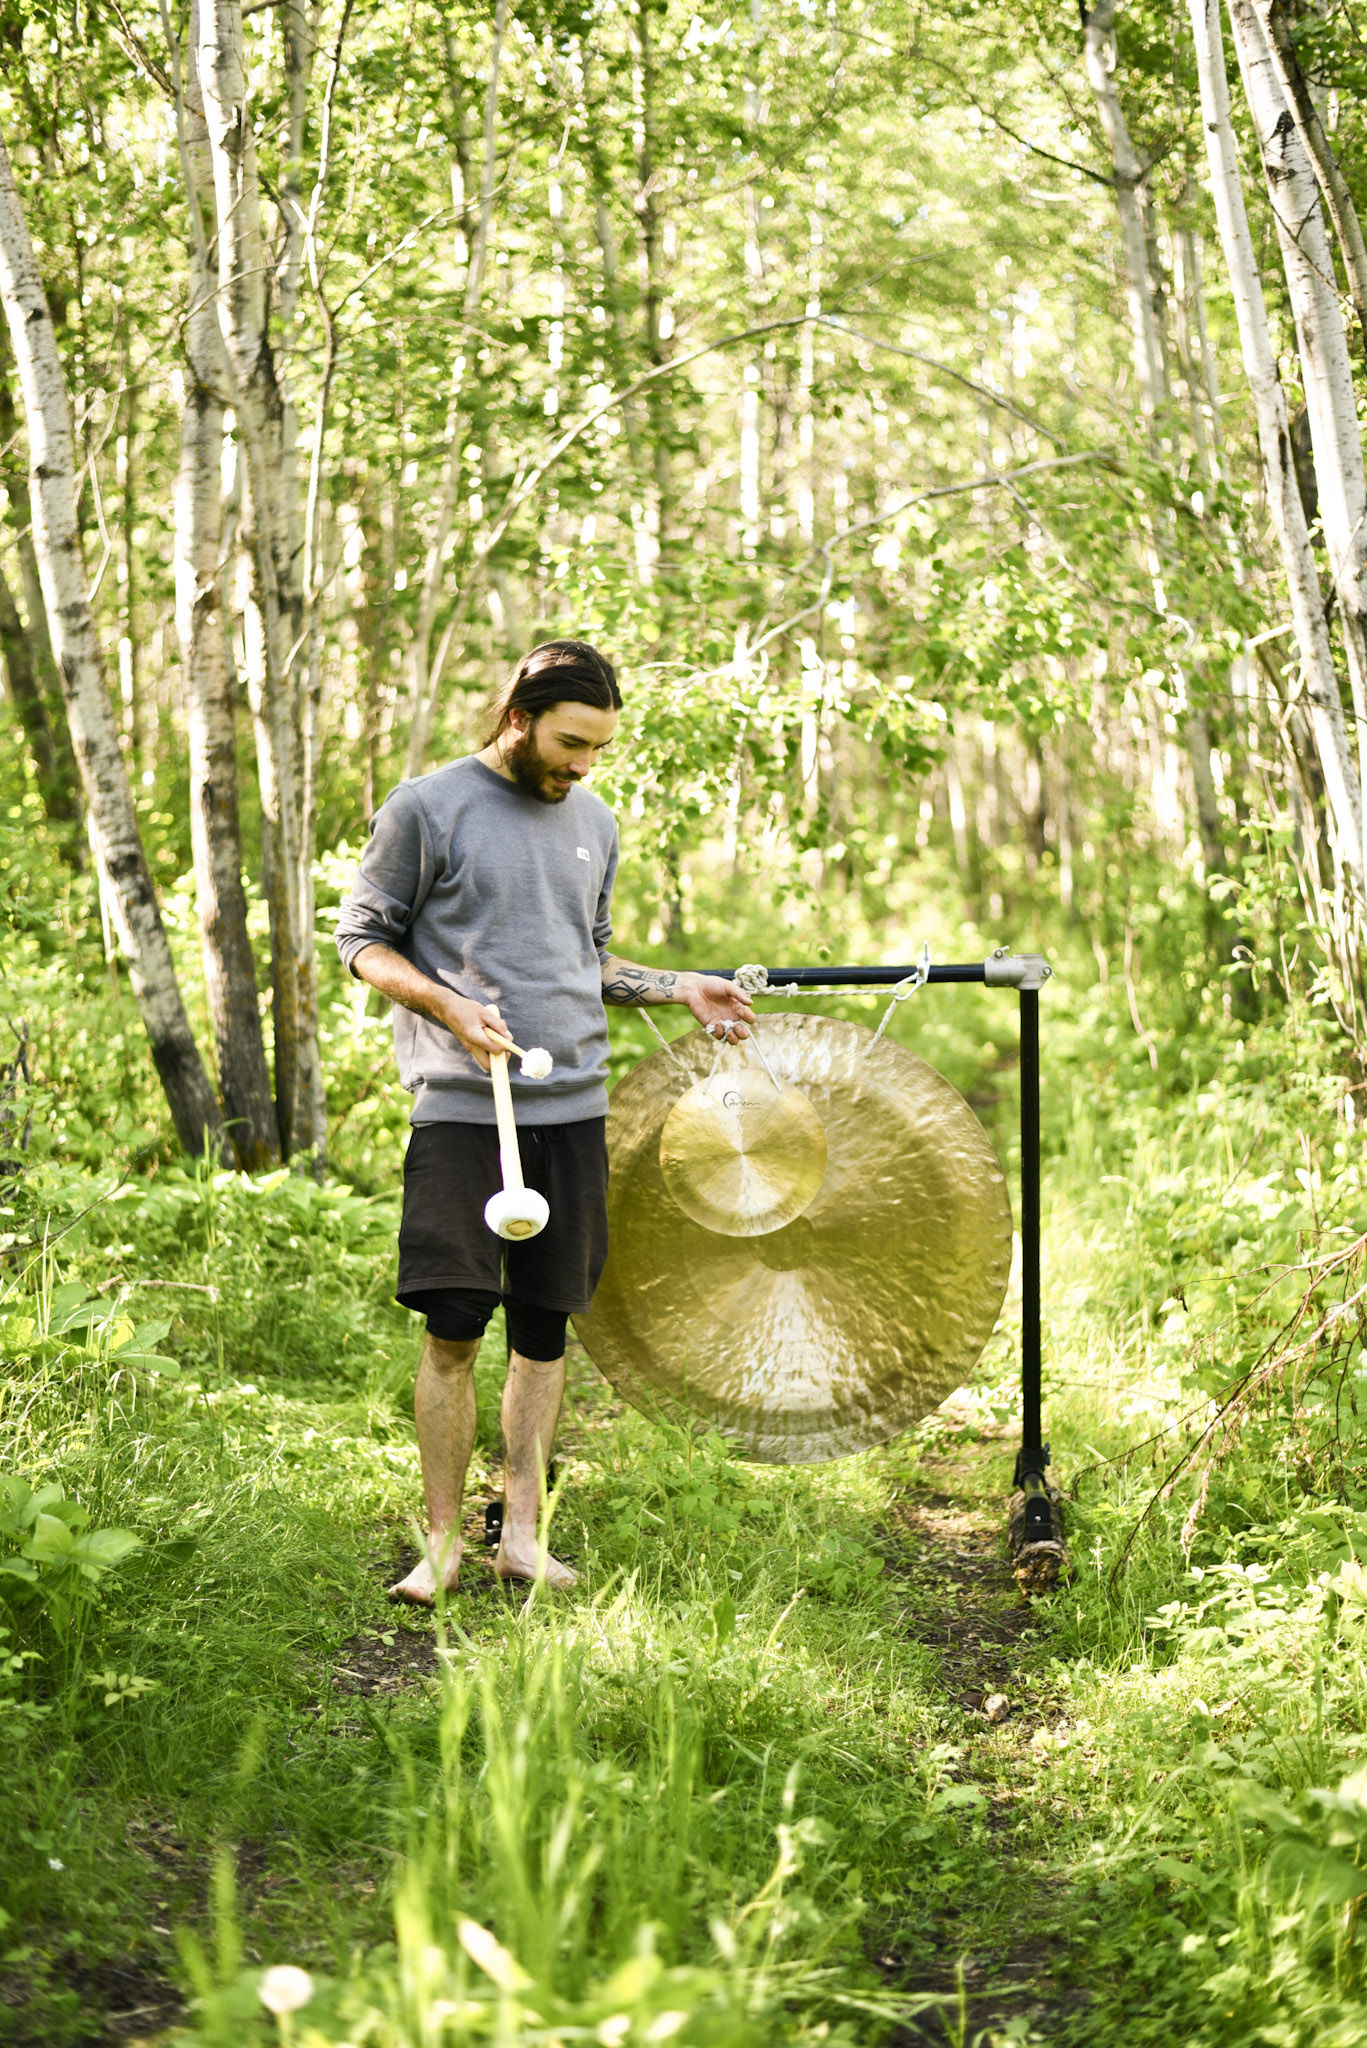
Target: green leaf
(950, 1798)
(104, 1548)
(80, 1318)
(149, 1361)
(65, 1301)
(1333, 1880)
(46, 1498)
(51, 1540)
(15, 1495)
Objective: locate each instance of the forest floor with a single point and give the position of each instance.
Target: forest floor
(948, 1550)
(795, 1762)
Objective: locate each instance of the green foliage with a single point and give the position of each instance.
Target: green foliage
(52, 1560)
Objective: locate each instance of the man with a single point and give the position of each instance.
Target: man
(482, 907)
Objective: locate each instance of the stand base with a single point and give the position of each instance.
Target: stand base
(1039, 1555)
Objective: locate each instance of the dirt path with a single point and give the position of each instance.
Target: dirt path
(996, 1951)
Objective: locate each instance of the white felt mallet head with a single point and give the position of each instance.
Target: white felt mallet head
(517, 1213)
(536, 1061)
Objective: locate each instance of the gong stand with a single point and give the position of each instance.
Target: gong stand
(1026, 973)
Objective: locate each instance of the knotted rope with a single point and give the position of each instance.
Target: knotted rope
(906, 988)
(753, 980)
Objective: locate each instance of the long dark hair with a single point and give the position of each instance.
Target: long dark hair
(557, 672)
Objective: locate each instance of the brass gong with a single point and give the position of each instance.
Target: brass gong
(741, 1152)
(848, 1324)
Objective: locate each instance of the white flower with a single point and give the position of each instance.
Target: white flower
(55, 1863)
(284, 1988)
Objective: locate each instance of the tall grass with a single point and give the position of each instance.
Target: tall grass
(727, 1792)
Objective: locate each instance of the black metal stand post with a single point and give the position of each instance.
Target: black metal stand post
(1027, 973)
(1032, 1459)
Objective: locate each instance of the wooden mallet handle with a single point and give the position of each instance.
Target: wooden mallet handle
(509, 1156)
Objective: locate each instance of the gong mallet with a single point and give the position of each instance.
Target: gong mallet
(516, 1211)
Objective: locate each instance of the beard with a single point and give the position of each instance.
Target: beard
(532, 772)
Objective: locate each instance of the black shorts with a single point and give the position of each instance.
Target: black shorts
(449, 1174)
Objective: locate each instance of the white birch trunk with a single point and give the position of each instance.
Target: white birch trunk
(1332, 183)
(1145, 300)
(1098, 46)
(424, 676)
(1322, 342)
(1342, 785)
(271, 539)
(229, 970)
(80, 663)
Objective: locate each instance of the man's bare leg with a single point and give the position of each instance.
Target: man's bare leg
(444, 1405)
(531, 1410)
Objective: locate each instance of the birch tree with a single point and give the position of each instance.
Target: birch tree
(1099, 56)
(1144, 304)
(80, 662)
(29, 667)
(229, 970)
(272, 542)
(1334, 189)
(1341, 783)
(21, 673)
(425, 672)
(1322, 344)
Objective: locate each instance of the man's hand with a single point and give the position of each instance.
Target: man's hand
(477, 1026)
(719, 1006)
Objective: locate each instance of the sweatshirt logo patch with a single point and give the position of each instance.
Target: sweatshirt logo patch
(583, 853)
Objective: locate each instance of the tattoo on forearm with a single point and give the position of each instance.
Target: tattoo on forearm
(625, 983)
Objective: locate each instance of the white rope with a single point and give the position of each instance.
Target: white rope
(906, 988)
(753, 1039)
(665, 1042)
(754, 981)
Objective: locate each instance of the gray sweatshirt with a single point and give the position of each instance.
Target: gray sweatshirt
(506, 900)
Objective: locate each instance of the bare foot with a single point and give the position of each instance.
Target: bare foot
(525, 1561)
(419, 1589)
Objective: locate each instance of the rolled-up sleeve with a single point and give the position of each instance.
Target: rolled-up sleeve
(392, 882)
(602, 923)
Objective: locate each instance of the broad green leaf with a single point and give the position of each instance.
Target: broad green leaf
(149, 1361)
(105, 1547)
(81, 1318)
(50, 1540)
(15, 1495)
(1332, 1880)
(66, 1299)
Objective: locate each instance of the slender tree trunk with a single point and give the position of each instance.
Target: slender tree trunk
(603, 192)
(1322, 341)
(22, 677)
(1333, 185)
(424, 675)
(272, 543)
(1098, 44)
(76, 646)
(649, 265)
(141, 739)
(229, 970)
(1147, 307)
(61, 791)
(1342, 786)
